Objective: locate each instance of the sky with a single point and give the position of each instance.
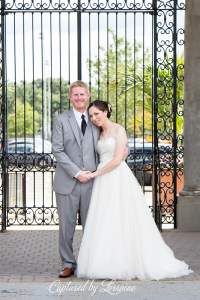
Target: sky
(36, 23)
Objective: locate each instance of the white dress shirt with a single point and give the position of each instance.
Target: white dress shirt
(78, 118)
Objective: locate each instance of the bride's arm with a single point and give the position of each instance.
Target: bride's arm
(121, 141)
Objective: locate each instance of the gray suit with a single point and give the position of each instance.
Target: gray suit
(73, 152)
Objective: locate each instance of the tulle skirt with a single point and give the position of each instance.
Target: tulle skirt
(121, 240)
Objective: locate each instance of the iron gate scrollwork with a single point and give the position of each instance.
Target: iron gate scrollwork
(169, 65)
(127, 53)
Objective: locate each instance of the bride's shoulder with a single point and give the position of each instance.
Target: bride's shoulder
(119, 129)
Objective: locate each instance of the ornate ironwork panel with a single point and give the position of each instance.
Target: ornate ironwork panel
(169, 107)
(127, 53)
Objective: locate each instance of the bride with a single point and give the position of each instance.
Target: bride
(121, 240)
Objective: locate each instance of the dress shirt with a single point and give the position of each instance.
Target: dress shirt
(78, 117)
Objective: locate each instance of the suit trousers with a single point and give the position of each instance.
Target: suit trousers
(67, 206)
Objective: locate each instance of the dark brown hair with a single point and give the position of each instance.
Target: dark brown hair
(101, 105)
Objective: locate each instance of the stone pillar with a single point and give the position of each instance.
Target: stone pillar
(188, 207)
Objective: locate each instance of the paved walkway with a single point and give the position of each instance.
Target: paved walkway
(30, 264)
(32, 255)
(95, 291)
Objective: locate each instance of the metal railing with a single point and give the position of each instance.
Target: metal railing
(127, 52)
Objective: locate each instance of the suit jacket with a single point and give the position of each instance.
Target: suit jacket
(67, 151)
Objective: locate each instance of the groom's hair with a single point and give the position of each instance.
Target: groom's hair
(76, 84)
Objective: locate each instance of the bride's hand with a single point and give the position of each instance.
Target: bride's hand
(91, 175)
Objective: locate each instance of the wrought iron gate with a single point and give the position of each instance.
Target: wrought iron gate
(127, 53)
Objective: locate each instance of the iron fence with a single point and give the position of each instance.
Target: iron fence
(129, 53)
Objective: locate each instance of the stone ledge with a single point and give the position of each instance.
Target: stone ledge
(188, 213)
(190, 192)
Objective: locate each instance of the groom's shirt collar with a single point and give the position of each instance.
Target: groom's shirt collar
(78, 115)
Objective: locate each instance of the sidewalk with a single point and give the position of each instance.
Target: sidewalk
(30, 258)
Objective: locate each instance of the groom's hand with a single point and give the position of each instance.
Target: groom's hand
(126, 153)
(83, 176)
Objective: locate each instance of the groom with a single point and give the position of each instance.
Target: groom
(74, 144)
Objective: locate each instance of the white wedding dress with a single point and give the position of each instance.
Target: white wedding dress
(121, 239)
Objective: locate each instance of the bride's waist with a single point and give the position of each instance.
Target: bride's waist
(106, 158)
(105, 161)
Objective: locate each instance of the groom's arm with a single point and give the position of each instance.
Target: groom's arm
(62, 158)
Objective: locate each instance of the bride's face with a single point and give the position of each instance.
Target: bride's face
(97, 116)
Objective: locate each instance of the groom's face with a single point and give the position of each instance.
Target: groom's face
(79, 97)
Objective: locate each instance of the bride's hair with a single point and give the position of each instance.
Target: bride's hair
(101, 105)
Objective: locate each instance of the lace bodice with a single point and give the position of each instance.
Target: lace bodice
(106, 149)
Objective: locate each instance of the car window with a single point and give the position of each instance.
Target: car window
(11, 149)
(29, 149)
(139, 152)
(20, 148)
(146, 150)
(29, 146)
(149, 151)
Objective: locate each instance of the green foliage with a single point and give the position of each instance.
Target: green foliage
(33, 96)
(110, 73)
(123, 85)
(119, 76)
(125, 80)
(20, 120)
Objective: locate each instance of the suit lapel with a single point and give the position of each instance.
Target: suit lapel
(74, 126)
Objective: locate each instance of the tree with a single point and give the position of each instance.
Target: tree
(19, 120)
(165, 97)
(126, 82)
(33, 97)
(108, 79)
(120, 75)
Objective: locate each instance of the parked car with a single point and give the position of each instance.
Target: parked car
(29, 143)
(30, 152)
(137, 140)
(141, 158)
(143, 153)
